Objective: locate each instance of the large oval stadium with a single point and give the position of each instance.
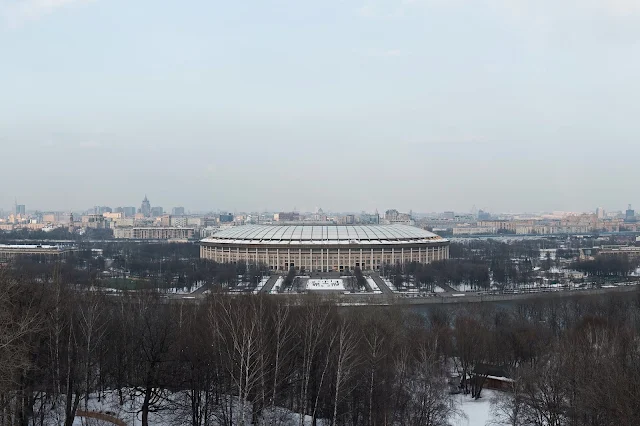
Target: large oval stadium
(324, 248)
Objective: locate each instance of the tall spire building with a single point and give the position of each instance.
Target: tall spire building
(145, 208)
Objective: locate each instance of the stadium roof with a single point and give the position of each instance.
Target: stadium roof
(325, 234)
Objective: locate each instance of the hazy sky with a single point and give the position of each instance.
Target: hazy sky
(508, 105)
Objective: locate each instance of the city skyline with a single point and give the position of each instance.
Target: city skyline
(177, 209)
(423, 105)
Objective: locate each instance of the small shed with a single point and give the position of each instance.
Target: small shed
(496, 377)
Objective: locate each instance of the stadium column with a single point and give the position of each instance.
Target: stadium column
(246, 257)
(361, 265)
(300, 259)
(350, 267)
(278, 259)
(339, 261)
(372, 268)
(321, 260)
(411, 254)
(289, 256)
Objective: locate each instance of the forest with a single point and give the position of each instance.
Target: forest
(241, 360)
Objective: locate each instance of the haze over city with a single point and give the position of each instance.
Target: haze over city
(422, 105)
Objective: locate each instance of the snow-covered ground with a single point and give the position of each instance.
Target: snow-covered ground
(173, 411)
(474, 412)
(181, 290)
(373, 285)
(277, 285)
(389, 284)
(437, 289)
(261, 284)
(325, 284)
(464, 287)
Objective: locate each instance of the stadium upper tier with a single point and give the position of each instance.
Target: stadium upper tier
(323, 234)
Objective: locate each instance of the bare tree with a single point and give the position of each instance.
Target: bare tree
(347, 358)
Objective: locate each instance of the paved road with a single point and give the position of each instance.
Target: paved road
(268, 286)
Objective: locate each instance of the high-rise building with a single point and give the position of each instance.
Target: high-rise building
(600, 213)
(145, 208)
(630, 215)
(482, 215)
(225, 218)
(177, 211)
(157, 211)
(20, 209)
(103, 209)
(368, 219)
(129, 211)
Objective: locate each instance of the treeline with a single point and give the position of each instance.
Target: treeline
(83, 269)
(242, 360)
(608, 266)
(56, 234)
(449, 272)
(226, 361)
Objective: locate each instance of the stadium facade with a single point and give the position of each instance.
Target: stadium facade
(324, 248)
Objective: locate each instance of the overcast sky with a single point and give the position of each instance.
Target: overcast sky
(508, 105)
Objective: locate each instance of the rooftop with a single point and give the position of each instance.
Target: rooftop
(325, 234)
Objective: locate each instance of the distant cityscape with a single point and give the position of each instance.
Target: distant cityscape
(149, 222)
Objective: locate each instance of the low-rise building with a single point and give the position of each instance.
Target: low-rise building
(178, 221)
(37, 251)
(473, 230)
(153, 233)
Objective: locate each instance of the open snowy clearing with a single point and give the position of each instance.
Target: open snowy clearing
(474, 412)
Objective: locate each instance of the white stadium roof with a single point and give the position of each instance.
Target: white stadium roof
(325, 234)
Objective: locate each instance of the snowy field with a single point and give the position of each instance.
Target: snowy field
(472, 412)
(437, 289)
(325, 284)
